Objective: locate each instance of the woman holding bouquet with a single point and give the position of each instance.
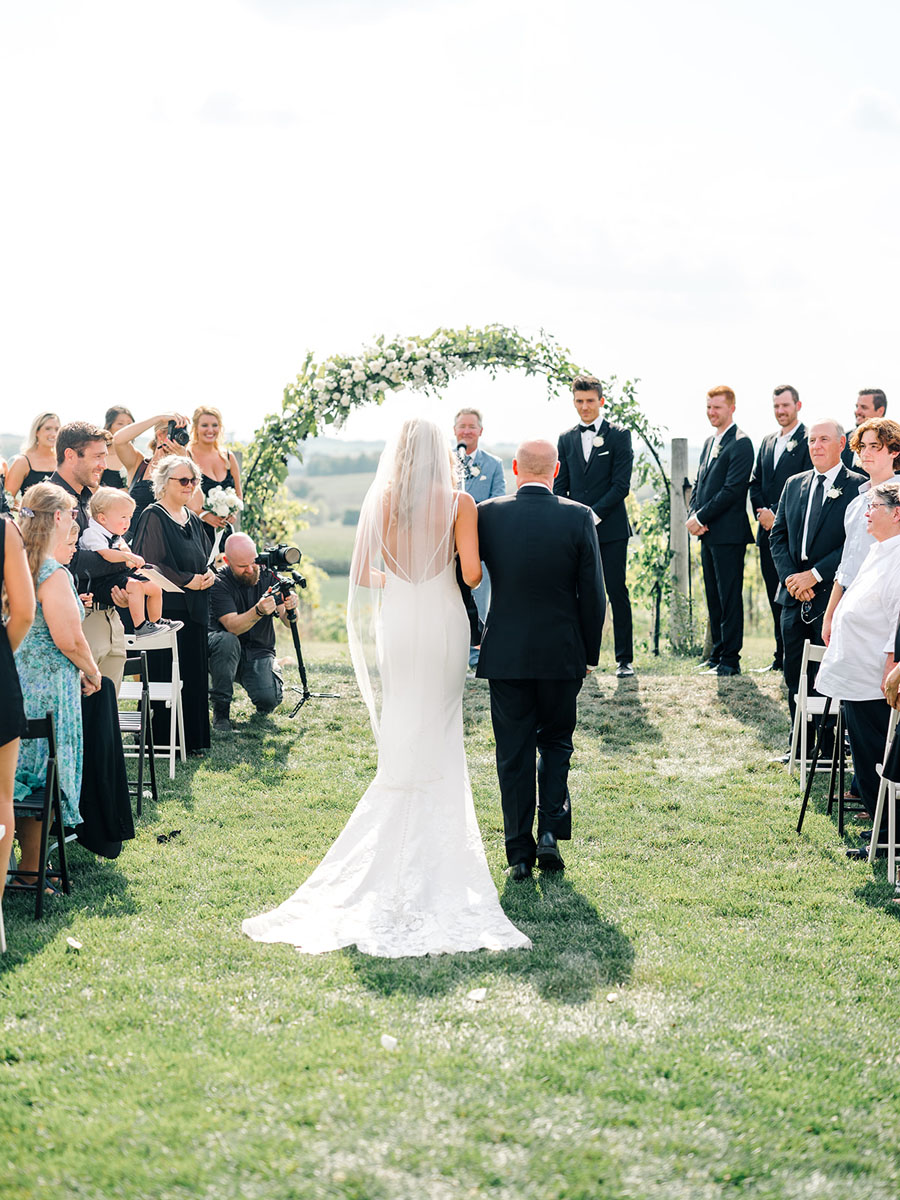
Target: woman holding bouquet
(170, 536)
(218, 466)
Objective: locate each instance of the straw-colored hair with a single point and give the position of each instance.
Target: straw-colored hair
(30, 442)
(37, 523)
(206, 411)
(106, 498)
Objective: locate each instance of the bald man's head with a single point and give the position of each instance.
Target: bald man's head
(536, 462)
(240, 556)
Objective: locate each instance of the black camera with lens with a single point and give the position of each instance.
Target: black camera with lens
(178, 434)
(279, 558)
(280, 561)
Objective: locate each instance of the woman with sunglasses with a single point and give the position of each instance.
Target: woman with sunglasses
(171, 538)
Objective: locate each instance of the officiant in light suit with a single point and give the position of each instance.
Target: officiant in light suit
(483, 479)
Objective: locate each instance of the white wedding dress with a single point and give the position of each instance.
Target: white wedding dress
(408, 873)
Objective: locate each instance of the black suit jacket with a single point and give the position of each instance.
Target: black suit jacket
(767, 481)
(825, 547)
(603, 482)
(547, 596)
(86, 564)
(719, 498)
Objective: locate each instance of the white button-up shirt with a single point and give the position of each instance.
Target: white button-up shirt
(781, 443)
(862, 633)
(857, 539)
(830, 475)
(588, 435)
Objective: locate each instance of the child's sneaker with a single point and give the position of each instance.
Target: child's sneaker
(173, 626)
(148, 628)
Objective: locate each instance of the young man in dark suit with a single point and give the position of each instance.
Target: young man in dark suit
(543, 629)
(595, 462)
(781, 455)
(718, 516)
(806, 541)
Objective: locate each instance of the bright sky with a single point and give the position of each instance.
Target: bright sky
(197, 192)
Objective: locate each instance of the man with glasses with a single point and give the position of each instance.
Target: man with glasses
(862, 639)
(806, 541)
(80, 462)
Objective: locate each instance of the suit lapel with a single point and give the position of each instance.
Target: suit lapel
(602, 431)
(829, 507)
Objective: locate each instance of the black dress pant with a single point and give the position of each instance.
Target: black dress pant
(770, 579)
(867, 727)
(794, 632)
(533, 715)
(723, 579)
(614, 558)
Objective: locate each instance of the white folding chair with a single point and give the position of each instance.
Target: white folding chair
(806, 708)
(887, 791)
(169, 692)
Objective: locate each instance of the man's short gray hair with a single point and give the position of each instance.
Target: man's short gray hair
(838, 427)
(469, 412)
(172, 464)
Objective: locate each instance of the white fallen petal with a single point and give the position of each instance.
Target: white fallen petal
(477, 994)
(389, 1043)
(612, 997)
(73, 944)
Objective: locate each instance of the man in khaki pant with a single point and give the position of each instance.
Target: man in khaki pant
(81, 459)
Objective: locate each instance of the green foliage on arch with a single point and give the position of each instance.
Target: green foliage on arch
(324, 393)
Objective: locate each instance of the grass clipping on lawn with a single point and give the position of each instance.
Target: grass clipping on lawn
(710, 1008)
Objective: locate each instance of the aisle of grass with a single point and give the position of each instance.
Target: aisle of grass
(710, 1008)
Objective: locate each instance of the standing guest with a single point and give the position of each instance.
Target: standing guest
(37, 461)
(543, 632)
(116, 474)
(862, 636)
(807, 541)
(55, 666)
(4, 471)
(81, 458)
(482, 478)
(780, 455)
(139, 468)
(171, 537)
(876, 444)
(218, 468)
(16, 581)
(718, 516)
(595, 463)
(871, 402)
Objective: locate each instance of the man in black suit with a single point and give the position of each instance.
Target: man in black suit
(543, 629)
(871, 402)
(806, 541)
(595, 461)
(718, 516)
(781, 455)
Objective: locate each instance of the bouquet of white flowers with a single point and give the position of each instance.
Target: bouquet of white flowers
(222, 502)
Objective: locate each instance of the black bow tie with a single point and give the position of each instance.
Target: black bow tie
(585, 428)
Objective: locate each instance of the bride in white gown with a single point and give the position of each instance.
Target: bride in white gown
(407, 875)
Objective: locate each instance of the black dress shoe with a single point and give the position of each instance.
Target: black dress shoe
(548, 855)
(724, 669)
(520, 871)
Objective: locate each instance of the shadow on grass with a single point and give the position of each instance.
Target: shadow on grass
(575, 952)
(878, 892)
(620, 724)
(744, 701)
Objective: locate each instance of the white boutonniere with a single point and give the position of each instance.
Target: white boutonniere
(474, 471)
(597, 441)
(792, 445)
(833, 493)
(715, 453)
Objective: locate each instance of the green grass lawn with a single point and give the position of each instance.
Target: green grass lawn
(710, 1008)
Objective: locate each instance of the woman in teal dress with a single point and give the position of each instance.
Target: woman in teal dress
(54, 662)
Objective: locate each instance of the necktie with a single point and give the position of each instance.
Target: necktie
(585, 428)
(815, 510)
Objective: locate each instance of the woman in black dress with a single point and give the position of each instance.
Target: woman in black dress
(15, 577)
(37, 461)
(218, 468)
(139, 469)
(170, 537)
(115, 474)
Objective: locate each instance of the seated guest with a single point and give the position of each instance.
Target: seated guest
(138, 467)
(862, 636)
(218, 466)
(15, 580)
(242, 634)
(876, 444)
(115, 475)
(110, 517)
(55, 665)
(171, 537)
(807, 540)
(37, 461)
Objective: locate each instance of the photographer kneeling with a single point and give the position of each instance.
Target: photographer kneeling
(242, 634)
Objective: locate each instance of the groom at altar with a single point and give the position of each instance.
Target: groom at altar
(543, 629)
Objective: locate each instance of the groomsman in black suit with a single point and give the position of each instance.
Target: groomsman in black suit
(781, 455)
(595, 462)
(871, 402)
(718, 516)
(806, 541)
(543, 629)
